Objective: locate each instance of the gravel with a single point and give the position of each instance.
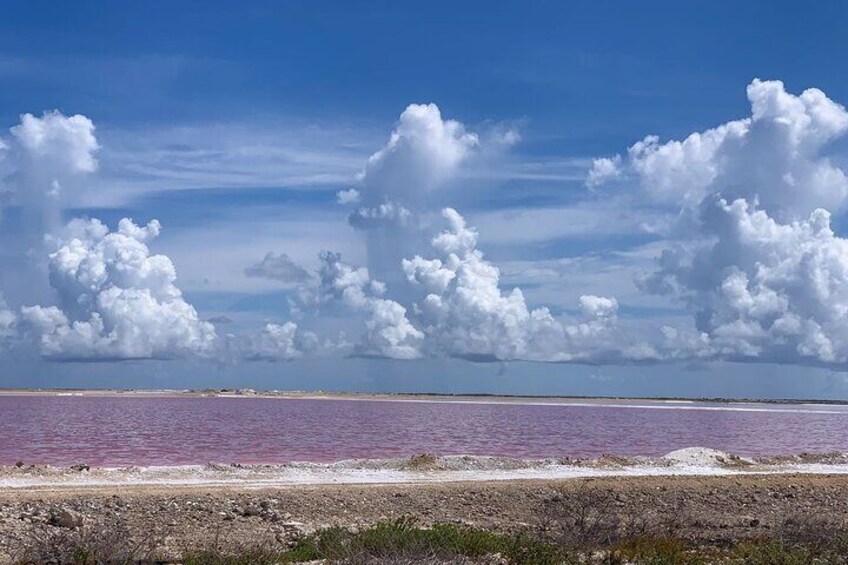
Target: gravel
(708, 509)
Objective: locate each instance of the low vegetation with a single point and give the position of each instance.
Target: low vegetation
(798, 542)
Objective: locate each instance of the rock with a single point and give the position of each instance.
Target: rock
(66, 518)
(80, 467)
(251, 510)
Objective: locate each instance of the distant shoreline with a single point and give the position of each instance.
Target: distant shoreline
(419, 396)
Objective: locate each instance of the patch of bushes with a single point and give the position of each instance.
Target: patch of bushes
(405, 541)
(594, 541)
(94, 545)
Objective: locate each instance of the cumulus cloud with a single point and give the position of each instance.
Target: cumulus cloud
(760, 288)
(66, 143)
(116, 299)
(423, 154)
(389, 331)
(422, 151)
(603, 170)
(45, 154)
(349, 196)
(387, 214)
(288, 341)
(757, 261)
(776, 156)
(279, 268)
(42, 164)
(276, 342)
(465, 313)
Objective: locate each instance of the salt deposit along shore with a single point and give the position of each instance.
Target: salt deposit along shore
(421, 469)
(714, 496)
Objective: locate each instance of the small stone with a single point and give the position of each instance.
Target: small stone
(292, 526)
(251, 510)
(66, 518)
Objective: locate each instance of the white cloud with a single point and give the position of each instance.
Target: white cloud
(46, 154)
(42, 165)
(761, 288)
(62, 142)
(755, 259)
(422, 151)
(604, 169)
(389, 331)
(775, 156)
(116, 300)
(465, 313)
(398, 183)
(598, 307)
(276, 342)
(349, 196)
(385, 215)
(278, 268)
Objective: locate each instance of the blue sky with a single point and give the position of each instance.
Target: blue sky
(236, 125)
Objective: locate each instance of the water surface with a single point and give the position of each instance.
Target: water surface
(127, 430)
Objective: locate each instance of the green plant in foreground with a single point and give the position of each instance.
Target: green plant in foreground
(655, 551)
(405, 540)
(772, 553)
(244, 557)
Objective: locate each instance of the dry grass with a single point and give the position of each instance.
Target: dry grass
(596, 518)
(89, 545)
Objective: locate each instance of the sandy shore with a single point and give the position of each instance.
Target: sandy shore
(707, 509)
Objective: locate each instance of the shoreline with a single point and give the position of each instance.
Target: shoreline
(417, 470)
(456, 398)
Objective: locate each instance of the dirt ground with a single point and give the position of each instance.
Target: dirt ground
(709, 509)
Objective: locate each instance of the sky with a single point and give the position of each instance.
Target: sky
(583, 198)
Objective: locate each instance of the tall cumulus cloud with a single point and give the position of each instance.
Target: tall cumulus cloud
(399, 182)
(757, 259)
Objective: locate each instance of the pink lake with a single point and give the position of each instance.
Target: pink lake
(64, 430)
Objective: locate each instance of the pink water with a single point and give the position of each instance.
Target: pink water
(63, 430)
